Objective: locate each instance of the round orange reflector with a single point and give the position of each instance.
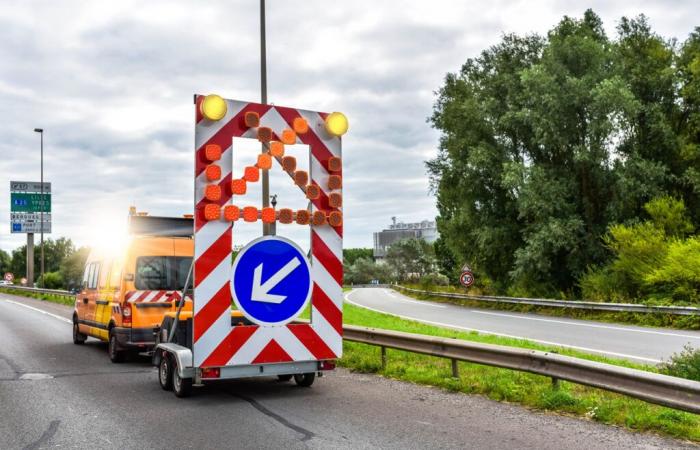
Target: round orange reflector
(268, 214)
(238, 187)
(289, 137)
(300, 125)
(289, 163)
(251, 174)
(264, 134)
(276, 149)
(301, 177)
(212, 152)
(319, 218)
(334, 164)
(303, 217)
(213, 192)
(335, 200)
(312, 192)
(251, 119)
(335, 219)
(334, 182)
(250, 213)
(286, 215)
(264, 161)
(212, 211)
(232, 213)
(213, 172)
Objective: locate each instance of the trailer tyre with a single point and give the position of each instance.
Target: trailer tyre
(305, 379)
(182, 387)
(165, 372)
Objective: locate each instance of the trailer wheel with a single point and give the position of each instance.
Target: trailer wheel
(165, 372)
(182, 387)
(304, 379)
(284, 377)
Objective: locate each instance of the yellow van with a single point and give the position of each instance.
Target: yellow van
(125, 295)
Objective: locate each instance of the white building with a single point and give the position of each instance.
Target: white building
(426, 230)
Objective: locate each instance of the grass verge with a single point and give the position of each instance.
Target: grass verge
(532, 391)
(644, 319)
(46, 297)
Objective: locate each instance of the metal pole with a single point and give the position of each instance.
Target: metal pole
(30, 259)
(263, 97)
(41, 216)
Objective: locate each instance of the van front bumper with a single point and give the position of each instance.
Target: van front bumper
(135, 337)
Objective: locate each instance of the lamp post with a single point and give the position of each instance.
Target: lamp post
(43, 205)
(263, 96)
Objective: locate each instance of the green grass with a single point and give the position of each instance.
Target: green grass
(532, 391)
(644, 319)
(45, 297)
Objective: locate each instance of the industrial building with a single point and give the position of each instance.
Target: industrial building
(426, 230)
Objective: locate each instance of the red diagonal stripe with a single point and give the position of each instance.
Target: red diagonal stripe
(129, 294)
(219, 304)
(312, 341)
(326, 257)
(272, 352)
(143, 295)
(212, 257)
(157, 297)
(229, 346)
(198, 114)
(233, 128)
(328, 309)
(318, 148)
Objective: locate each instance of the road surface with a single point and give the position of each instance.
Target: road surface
(56, 394)
(640, 344)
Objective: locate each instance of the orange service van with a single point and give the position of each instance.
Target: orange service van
(126, 294)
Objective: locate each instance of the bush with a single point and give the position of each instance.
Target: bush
(685, 364)
(52, 280)
(433, 279)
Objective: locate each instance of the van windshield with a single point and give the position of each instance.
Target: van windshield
(167, 273)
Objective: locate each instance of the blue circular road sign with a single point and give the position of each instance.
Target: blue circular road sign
(271, 280)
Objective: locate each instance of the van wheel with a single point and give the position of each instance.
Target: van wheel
(165, 372)
(304, 379)
(182, 387)
(78, 337)
(115, 354)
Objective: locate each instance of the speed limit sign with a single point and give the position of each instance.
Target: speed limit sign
(9, 277)
(467, 279)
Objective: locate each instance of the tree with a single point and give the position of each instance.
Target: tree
(55, 252)
(350, 255)
(411, 258)
(72, 268)
(5, 262)
(545, 142)
(365, 270)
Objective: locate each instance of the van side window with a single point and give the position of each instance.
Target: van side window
(92, 284)
(86, 275)
(104, 274)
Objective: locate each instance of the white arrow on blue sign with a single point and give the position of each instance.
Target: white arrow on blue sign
(271, 281)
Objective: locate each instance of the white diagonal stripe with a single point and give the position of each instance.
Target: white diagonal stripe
(332, 240)
(291, 344)
(318, 127)
(327, 283)
(211, 339)
(251, 348)
(326, 332)
(212, 284)
(208, 235)
(206, 129)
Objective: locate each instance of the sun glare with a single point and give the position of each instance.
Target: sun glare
(109, 233)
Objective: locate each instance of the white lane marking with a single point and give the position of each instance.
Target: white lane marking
(55, 316)
(417, 302)
(607, 327)
(558, 344)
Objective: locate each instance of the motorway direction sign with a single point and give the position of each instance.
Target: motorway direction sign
(271, 281)
(466, 278)
(27, 202)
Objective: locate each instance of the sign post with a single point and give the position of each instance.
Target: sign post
(30, 212)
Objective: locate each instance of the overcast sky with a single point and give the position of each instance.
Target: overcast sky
(112, 82)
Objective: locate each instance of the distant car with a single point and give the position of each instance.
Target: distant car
(5, 283)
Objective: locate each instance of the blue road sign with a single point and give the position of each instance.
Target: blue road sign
(271, 280)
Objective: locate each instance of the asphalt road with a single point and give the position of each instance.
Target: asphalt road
(640, 344)
(56, 394)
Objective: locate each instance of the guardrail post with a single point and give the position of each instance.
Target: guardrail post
(455, 369)
(383, 357)
(555, 380)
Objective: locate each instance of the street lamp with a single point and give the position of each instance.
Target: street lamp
(41, 210)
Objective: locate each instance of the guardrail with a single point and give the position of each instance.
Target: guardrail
(57, 292)
(663, 390)
(576, 304)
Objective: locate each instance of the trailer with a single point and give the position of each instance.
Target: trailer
(272, 280)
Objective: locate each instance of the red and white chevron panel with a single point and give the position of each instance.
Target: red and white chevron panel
(152, 296)
(216, 342)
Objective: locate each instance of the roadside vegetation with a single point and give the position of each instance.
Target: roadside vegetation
(532, 391)
(46, 297)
